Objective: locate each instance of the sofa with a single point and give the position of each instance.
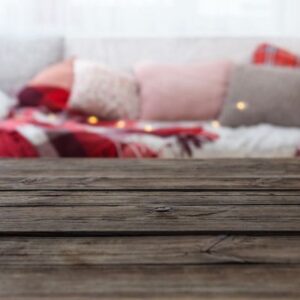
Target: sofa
(21, 59)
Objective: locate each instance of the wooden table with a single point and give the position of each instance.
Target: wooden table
(214, 229)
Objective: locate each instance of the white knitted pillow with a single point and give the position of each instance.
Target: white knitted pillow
(104, 92)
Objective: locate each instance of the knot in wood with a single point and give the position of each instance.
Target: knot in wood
(163, 209)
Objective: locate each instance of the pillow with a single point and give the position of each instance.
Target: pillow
(267, 54)
(101, 91)
(182, 92)
(260, 94)
(6, 103)
(50, 88)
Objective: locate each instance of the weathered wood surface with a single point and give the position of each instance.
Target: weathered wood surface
(105, 212)
(142, 198)
(149, 219)
(150, 174)
(235, 281)
(90, 229)
(153, 250)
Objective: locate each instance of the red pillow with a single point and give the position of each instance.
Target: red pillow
(267, 54)
(54, 98)
(50, 88)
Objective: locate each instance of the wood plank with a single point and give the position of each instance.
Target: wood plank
(127, 202)
(280, 174)
(87, 182)
(144, 198)
(149, 219)
(123, 212)
(192, 250)
(148, 297)
(146, 167)
(228, 281)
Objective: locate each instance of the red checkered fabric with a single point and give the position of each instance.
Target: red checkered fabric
(14, 145)
(267, 54)
(52, 98)
(33, 133)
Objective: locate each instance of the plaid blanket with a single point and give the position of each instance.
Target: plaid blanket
(32, 132)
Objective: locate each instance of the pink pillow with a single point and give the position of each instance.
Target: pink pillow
(182, 92)
(59, 75)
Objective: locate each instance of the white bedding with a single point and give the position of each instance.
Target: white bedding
(257, 141)
(261, 141)
(6, 103)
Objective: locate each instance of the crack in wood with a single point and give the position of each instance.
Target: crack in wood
(206, 214)
(220, 240)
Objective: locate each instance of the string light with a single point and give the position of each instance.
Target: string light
(121, 124)
(241, 105)
(52, 117)
(215, 124)
(148, 128)
(93, 120)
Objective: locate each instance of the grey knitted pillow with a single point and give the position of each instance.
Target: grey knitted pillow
(262, 95)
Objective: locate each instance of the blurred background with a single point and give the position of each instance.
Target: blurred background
(150, 18)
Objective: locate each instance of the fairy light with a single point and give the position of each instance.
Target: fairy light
(121, 124)
(215, 124)
(93, 120)
(52, 117)
(148, 128)
(241, 105)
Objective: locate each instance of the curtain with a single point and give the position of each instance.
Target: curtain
(153, 18)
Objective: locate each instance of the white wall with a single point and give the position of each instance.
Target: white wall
(150, 17)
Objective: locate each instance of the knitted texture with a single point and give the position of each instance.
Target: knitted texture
(101, 91)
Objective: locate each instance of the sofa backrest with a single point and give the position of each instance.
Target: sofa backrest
(123, 53)
(22, 58)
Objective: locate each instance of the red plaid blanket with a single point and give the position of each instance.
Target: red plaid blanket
(32, 133)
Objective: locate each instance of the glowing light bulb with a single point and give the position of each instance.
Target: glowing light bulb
(148, 128)
(93, 120)
(215, 124)
(52, 117)
(241, 105)
(121, 124)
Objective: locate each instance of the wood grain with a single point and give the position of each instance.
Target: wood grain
(154, 250)
(233, 281)
(141, 212)
(144, 198)
(150, 219)
(227, 174)
(195, 297)
(132, 168)
(150, 229)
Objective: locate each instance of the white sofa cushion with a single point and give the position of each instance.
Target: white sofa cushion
(22, 58)
(124, 53)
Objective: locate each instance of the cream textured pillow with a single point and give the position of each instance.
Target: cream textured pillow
(101, 91)
(262, 95)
